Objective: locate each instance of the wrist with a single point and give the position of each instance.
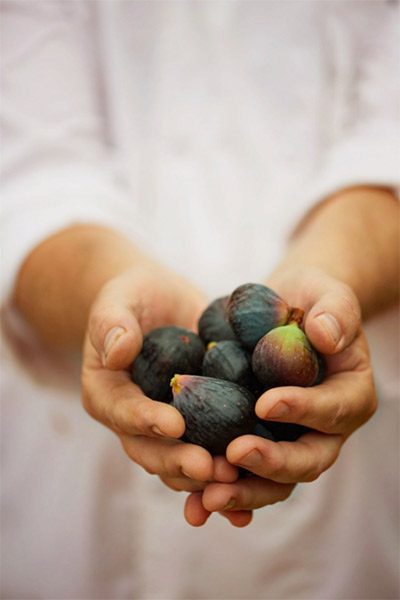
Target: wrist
(61, 277)
(353, 237)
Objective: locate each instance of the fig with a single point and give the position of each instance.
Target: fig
(282, 432)
(228, 360)
(284, 356)
(166, 351)
(215, 411)
(261, 428)
(321, 369)
(213, 324)
(254, 309)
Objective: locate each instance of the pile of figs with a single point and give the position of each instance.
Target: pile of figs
(246, 343)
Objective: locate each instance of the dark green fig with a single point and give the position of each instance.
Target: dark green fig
(213, 324)
(215, 411)
(254, 309)
(261, 428)
(284, 356)
(166, 351)
(321, 369)
(283, 432)
(278, 431)
(228, 360)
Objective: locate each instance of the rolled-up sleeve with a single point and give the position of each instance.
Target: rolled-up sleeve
(57, 164)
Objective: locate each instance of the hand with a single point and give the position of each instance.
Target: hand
(333, 409)
(128, 306)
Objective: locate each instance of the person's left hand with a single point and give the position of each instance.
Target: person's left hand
(334, 409)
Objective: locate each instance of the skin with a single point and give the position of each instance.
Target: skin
(123, 294)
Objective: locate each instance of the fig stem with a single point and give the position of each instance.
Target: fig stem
(296, 316)
(176, 387)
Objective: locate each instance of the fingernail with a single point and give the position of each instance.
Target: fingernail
(279, 410)
(112, 336)
(252, 459)
(231, 504)
(330, 325)
(186, 474)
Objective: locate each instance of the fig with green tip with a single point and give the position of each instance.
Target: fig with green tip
(284, 356)
(254, 309)
(215, 411)
(213, 324)
(166, 351)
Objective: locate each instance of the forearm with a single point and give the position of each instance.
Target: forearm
(61, 277)
(354, 237)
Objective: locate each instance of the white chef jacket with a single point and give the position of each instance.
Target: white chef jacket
(203, 131)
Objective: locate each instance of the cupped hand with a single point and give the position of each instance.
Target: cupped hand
(127, 307)
(334, 409)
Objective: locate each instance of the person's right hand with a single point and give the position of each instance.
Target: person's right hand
(127, 307)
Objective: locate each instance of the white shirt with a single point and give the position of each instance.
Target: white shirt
(204, 131)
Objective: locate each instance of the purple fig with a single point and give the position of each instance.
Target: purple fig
(254, 309)
(284, 356)
(213, 324)
(165, 351)
(228, 360)
(215, 411)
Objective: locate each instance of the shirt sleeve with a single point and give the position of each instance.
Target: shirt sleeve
(362, 128)
(57, 165)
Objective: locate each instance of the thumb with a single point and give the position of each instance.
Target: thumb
(334, 319)
(114, 332)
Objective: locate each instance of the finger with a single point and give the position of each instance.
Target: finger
(334, 316)
(113, 329)
(244, 495)
(113, 399)
(169, 458)
(339, 405)
(285, 462)
(183, 484)
(194, 511)
(238, 518)
(196, 515)
(224, 471)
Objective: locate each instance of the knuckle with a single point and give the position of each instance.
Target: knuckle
(336, 419)
(144, 416)
(351, 303)
(114, 417)
(275, 465)
(302, 411)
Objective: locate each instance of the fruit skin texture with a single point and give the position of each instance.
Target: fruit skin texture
(254, 309)
(215, 411)
(213, 324)
(228, 360)
(284, 356)
(166, 351)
